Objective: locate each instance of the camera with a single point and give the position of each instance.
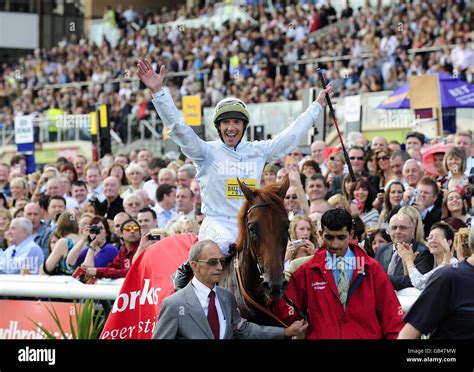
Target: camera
(94, 229)
(298, 243)
(381, 190)
(413, 198)
(154, 235)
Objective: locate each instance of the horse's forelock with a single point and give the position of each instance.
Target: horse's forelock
(271, 196)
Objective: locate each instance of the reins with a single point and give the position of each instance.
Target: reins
(247, 296)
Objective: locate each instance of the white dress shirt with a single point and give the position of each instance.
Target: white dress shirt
(202, 293)
(98, 193)
(150, 187)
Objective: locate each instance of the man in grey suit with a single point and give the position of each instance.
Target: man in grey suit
(402, 231)
(202, 310)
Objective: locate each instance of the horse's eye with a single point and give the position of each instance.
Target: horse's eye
(253, 229)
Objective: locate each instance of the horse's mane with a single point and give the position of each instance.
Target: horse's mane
(270, 195)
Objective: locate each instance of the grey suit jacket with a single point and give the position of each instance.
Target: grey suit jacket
(182, 317)
(424, 262)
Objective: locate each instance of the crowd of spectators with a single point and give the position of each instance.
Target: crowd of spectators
(255, 62)
(66, 199)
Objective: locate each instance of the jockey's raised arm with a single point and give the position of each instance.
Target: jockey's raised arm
(290, 137)
(182, 134)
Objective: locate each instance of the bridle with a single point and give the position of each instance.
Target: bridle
(250, 242)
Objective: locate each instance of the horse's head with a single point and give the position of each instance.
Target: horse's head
(263, 224)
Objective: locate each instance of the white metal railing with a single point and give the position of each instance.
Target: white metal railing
(65, 287)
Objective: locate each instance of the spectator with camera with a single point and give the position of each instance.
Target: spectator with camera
(303, 240)
(94, 247)
(118, 268)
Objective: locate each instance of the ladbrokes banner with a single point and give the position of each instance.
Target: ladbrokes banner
(16, 319)
(148, 282)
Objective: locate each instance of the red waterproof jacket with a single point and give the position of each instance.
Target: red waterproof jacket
(372, 308)
(119, 267)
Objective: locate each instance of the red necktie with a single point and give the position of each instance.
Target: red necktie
(212, 317)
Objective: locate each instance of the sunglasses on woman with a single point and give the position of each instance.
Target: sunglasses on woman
(294, 197)
(385, 157)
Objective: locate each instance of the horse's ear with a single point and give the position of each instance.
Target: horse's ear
(284, 186)
(249, 194)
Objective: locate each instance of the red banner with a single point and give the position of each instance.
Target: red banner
(16, 319)
(148, 282)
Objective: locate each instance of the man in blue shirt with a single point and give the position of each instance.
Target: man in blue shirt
(23, 255)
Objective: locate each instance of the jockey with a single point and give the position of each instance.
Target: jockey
(219, 163)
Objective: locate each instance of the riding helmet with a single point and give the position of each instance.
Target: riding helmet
(230, 108)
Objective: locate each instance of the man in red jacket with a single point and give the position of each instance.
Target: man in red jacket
(345, 293)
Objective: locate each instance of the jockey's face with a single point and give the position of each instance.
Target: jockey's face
(232, 131)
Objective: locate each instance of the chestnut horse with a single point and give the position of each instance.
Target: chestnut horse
(255, 275)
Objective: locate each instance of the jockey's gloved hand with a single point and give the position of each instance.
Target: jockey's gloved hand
(182, 276)
(232, 251)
